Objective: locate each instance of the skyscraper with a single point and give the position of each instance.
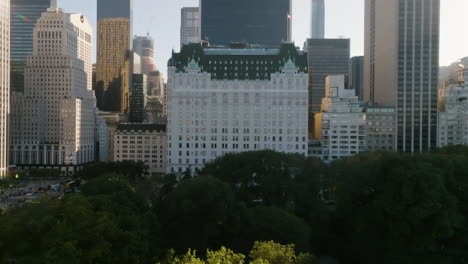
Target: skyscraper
(23, 16)
(325, 57)
(53, 120)
(189, 25)
(4, 84)
(114, 9)
(317, 29)
(144, 46)
(138, 98)
(114, 59)
(401, 66)
(113, 69)
(356, 75)
(259, 22)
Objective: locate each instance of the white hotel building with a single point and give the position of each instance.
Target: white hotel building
(4, 83)
(53, 121)
(228, 100)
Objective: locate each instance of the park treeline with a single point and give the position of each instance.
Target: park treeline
(255, 207)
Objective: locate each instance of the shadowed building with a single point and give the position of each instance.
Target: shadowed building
(325, 57)
(401, 63)
(258, 22)
(23, 17)
(113, 65)
(114, 58)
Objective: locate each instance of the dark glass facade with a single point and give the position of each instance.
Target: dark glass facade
(257, 22)
(356, 75)
(114, 9)
(138, 98)
(23, 18)
(418, 64)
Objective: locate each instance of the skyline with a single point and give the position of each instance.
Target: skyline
(339, 22)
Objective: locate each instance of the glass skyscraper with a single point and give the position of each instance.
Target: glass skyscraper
(23, 17)
(114, 9)
(259, 22)
(114, 45)
(401, 66)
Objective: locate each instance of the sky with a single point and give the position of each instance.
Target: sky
(344, 18)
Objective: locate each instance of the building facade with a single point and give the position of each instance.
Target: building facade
(453, 117)
(23, 17)
(401, 66)
(101, 136)
(190, 30)
(317, 28)
(114, 65)
(356, 76)
(138, 98)
(325, 57)
(227, 100)
(4, 84)
(380, 128)
(260, 22)
(144, 46)
(53, 120)
(341, 124)
(154, 110)
(114, 9)
(142, 143)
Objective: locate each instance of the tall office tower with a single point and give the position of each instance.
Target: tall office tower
(114, 60)
(4, 84)
(317, 28)
(228, 100)
(53, 121)
(401, 66)
(23, 16)
(190, 30)
(144, 46)
(138, 98)
(325, 57)
(259, 22)
(113, 65)
(356, 75)
(114, 9)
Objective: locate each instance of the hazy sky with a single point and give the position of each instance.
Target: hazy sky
(161, 19)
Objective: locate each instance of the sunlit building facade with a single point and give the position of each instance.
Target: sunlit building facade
(4, 84)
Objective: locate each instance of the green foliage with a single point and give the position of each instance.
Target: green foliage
(273, 253)
(269, 223)
(401, 201)
(224, 256)
(378, 207)
(202, 212)
(129, 169)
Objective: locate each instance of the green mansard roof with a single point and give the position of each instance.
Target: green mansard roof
(244, 63)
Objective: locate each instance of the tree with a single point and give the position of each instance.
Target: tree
(269, 223)
(273, 253)
(199, 213)
(270, 178)
(394, 208)
(65, 231)
(224, 256)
